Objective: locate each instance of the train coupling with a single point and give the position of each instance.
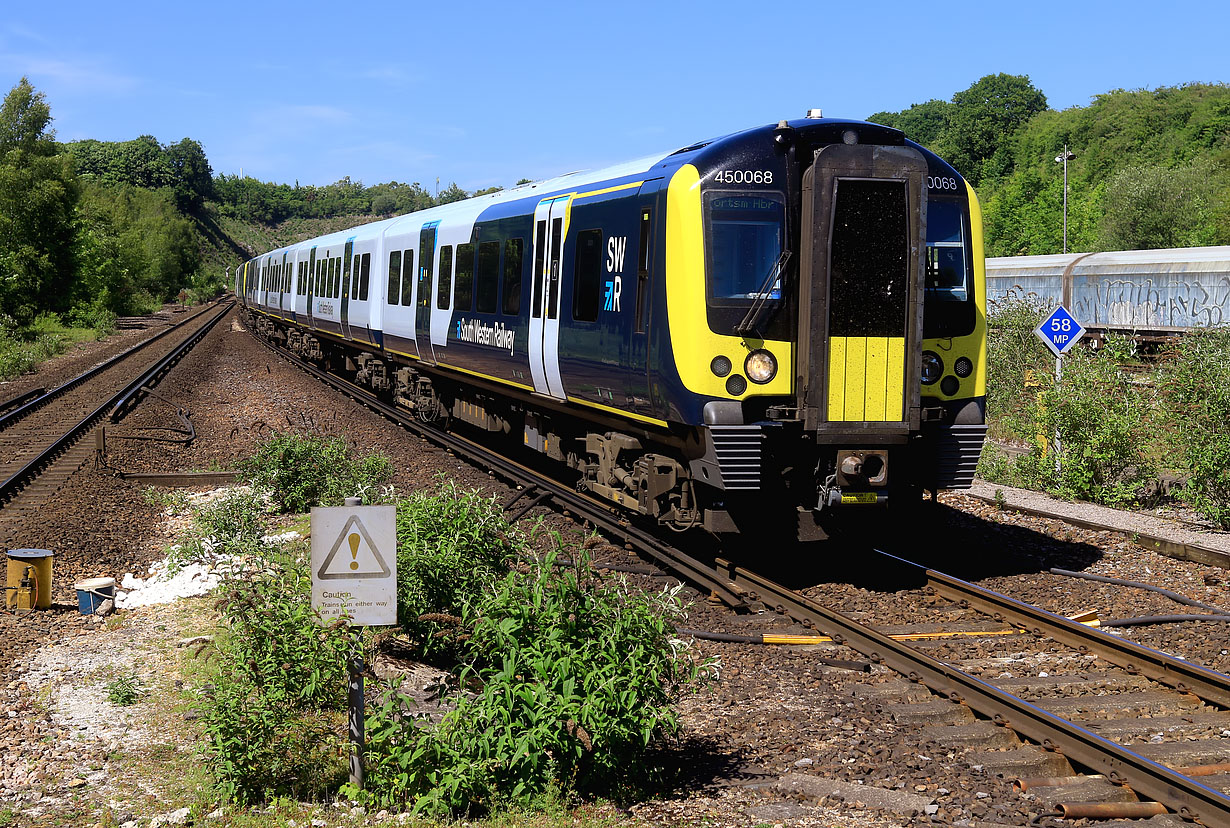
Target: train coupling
(860, 478)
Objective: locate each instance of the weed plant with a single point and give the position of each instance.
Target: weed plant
(1103, 421)
(1197, 403)
(303, 470)
(562, 683)
(573, 680)
(125, 689)
(1016, 360)
(231, 526)
(453, 545)
(271, 720)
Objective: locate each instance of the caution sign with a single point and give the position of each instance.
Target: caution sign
(354, 563)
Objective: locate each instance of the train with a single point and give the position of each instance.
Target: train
(766, 330)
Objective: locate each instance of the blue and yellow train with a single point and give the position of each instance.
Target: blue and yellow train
(762, 329)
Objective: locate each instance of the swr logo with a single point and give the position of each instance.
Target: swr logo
(616, 246)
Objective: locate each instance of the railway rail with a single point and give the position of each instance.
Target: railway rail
(1142, 778)
(40, 451)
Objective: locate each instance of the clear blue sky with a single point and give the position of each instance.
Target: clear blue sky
(487, 93)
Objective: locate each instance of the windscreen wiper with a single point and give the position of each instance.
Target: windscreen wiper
(752, 319)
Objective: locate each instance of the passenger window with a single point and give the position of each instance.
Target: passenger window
(354, 277)
(487, 279)
(463, 300)
(512, 277)
(540, 257)
(642, 270)
(446, 277)
(407, 283)
(586, 271)
(553, 274)
(365, 276)
(394, 293)
(337, 269)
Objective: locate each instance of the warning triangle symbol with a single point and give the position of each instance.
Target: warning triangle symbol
(359, 559)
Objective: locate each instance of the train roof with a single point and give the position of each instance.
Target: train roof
(1176, 260)
(650, 166)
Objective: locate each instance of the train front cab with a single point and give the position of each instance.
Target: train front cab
(860, 427)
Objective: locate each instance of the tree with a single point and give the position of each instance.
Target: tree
(983, 120)
(451, 193)
(192, 179)
(37, 194)
(1150, 206)
(925, 123)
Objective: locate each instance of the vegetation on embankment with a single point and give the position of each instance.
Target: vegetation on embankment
(94, 229)
(1122, 422)
(1150, 168)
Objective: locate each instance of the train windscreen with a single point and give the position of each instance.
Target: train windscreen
(869, 259)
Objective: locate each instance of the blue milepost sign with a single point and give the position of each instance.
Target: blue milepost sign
(1060, 331)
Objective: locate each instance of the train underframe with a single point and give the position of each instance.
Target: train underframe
(724, 477)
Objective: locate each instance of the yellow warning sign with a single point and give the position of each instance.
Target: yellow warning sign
(364, 559)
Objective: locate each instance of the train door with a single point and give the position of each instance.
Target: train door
(311, 287)
(346, 287)
(550, 230)
(639, 382)
(284, 285)
(422, 292)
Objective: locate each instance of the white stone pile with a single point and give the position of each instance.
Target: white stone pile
(166, 583)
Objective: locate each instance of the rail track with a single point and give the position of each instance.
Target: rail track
(1116, 730)
(40, 433)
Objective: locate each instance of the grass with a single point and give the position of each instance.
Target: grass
(23, 349)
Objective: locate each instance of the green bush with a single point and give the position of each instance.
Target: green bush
(573, 679)
(302, 471)
(452, 546)
(1197, 386)
(271, 720)
(276, 638)
(230, 526)
(22, 349)
(1104, 426)
(261, 745)
(1013, 353)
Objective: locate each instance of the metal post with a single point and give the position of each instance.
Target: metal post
(1065, 200)
(1065, 158)
(354, 696)
(1058, 377)
(354, 667)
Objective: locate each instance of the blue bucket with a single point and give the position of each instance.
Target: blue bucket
(92, 592)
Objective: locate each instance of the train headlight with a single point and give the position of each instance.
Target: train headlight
(963, 367)
(932, 368)
(760, 367)
(720, 366)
